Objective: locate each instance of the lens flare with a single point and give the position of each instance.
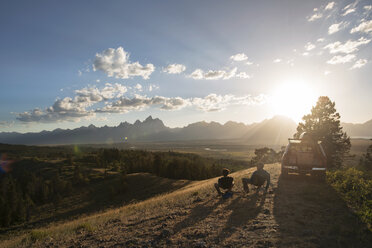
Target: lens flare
(5, 164)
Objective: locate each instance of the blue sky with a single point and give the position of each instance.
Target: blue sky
(65, 64)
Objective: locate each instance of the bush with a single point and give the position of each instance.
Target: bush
(355, 186)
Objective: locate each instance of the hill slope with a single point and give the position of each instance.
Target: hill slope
(298, 212)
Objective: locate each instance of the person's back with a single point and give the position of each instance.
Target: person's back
(258, 178)
(224, 182)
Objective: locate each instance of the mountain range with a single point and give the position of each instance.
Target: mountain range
(274, 131)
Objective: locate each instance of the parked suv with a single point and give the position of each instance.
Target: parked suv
(304, 155)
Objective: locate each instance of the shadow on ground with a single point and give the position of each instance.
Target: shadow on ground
(311, 214)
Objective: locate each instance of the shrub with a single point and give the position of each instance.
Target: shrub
(355, 186)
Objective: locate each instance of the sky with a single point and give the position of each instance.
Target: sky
(66, 64)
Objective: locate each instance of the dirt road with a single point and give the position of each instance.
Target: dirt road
(295, 212)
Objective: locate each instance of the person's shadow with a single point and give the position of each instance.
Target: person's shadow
(198, 213)
(243, 210)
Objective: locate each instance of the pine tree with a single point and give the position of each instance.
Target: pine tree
(323, 123)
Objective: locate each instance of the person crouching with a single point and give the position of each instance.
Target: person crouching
(226, 183)
(258, 178)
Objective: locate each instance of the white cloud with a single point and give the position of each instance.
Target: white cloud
(116, 63)
(336, 27)
(239, 57)
(138, 87)
(341, 59)
(348, 47)
(80, 73)
(243, 75)
(213, 75)
(326, 73)
(348, 11)
(72, 109)
(214, 102)
(330, 6)
(367, 7)
(65, 109)
(138, 102)
(320, 40)
(309, 46)
(93, 94)
(365, 27)
(305, 54)
(153, 87)
(209, 103)
(277, 60)
(315, 17)
(249, 63)
(174, 69)
(359, 63)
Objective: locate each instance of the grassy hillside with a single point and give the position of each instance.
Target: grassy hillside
(296, 212)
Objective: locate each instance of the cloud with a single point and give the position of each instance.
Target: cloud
(348, 47)
(326, 73)
(138, 102)
(341, 59)
(213, 75)
(239, 57)
(315, 17)
(367, 7)
(359, 63)
(348, 12)
(153, 87)
(214, 102)
(330, 5)
(138, 87)
(336, 27)
(72, 109)
(277, 60)
(320, 40)
(209, 103)
(364, 27)
(116, 63)
(65, 109)
(174, 69)
(243, 75)
(309, 46)
(93, 94)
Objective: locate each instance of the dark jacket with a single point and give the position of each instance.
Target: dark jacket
(259, 177)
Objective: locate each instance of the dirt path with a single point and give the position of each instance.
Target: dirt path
(296, 212)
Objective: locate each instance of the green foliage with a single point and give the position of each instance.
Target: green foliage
(266, 155)
(355, 186)
(323, 123)
(366, 159)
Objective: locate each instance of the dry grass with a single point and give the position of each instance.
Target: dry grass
(156, 206)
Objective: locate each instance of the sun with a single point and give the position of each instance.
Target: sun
(293, 99)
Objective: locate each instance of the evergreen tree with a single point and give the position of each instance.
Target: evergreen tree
(323, 123)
